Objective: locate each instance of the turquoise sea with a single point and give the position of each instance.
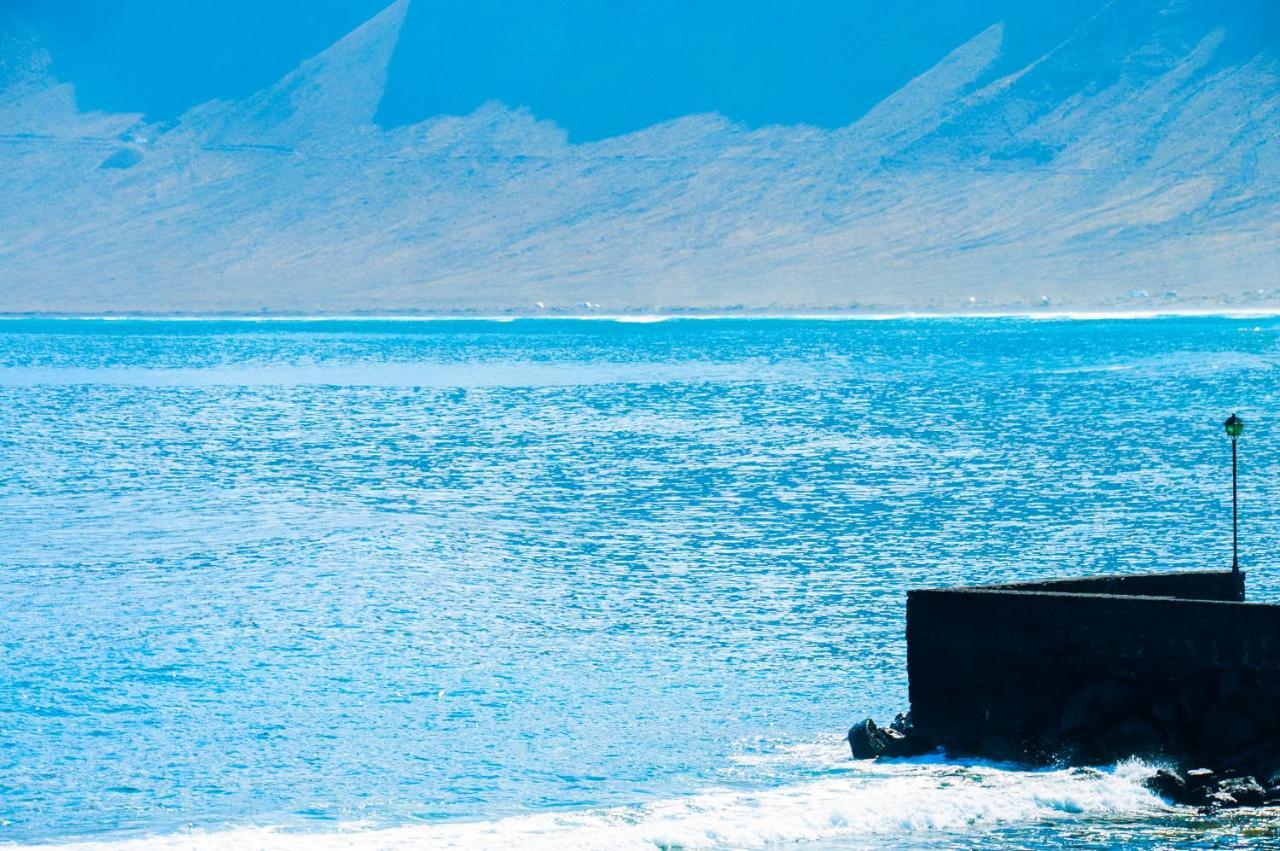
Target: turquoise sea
(572, 583)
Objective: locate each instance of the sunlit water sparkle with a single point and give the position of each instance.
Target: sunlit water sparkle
(574, 584)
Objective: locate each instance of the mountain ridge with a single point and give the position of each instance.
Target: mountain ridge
(1113, 164)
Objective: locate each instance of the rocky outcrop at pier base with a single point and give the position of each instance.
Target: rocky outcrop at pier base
(1249, 779)
(899, 739)
(1219, 742)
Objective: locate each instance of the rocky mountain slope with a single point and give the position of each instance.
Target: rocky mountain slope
(1134, 166)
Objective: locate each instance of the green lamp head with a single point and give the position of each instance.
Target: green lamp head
(1234, 426)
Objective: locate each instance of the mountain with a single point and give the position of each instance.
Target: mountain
(1136, 165)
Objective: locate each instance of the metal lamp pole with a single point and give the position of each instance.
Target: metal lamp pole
(1234, 426)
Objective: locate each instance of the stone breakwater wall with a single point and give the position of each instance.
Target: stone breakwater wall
(1173, 665)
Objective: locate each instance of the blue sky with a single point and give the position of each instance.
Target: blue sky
(598, 68)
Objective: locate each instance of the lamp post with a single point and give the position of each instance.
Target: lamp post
(1234, 426)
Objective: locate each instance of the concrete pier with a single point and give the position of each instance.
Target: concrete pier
(1087, 670)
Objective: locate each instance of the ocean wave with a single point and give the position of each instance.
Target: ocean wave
(862, 803)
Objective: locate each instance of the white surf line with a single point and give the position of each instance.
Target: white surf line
(639, 318)
(895, 800)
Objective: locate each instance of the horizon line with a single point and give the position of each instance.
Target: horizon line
(652, 318)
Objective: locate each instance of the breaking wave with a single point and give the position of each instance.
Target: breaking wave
(856, 804)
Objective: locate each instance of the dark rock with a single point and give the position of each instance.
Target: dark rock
(1199, 778)
(1173, 787)
(914, 746)
(906, 744)
(1202, 787)
(1272, 785)
(866, 740)
(900, 739)
(1246, 791)
(1219, 800)
(894, 742)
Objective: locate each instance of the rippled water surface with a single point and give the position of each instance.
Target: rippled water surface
(574, 583)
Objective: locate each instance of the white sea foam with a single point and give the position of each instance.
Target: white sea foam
(860, 804)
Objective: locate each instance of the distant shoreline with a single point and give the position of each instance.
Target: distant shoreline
(652, 318)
